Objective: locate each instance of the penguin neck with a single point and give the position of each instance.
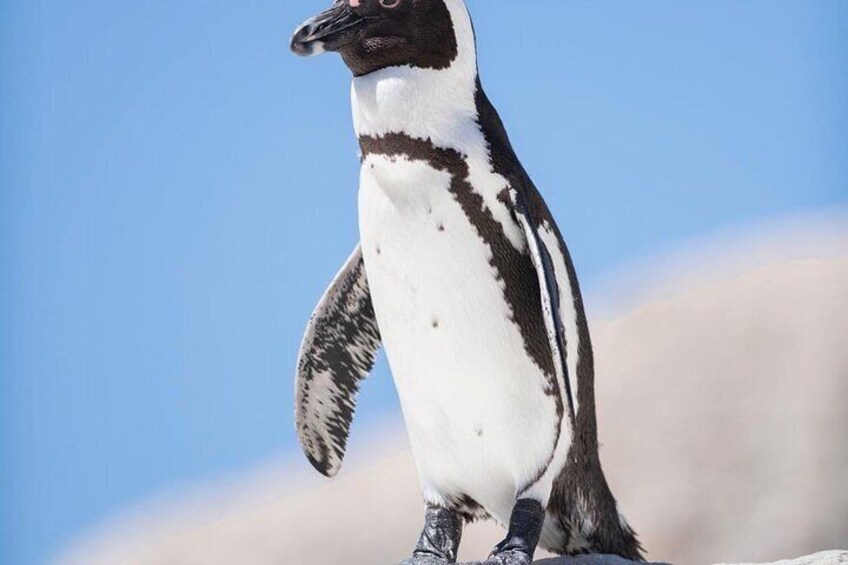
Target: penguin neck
(437, 105)
(424, 105)
(430, 105)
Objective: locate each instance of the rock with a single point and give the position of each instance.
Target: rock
(591, 560)
(824, 558)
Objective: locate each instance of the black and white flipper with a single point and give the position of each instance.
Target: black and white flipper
(337, 354)
(551, 293)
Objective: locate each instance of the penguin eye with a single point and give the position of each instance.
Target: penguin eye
(390, 4)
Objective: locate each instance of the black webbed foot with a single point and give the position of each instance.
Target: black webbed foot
(525, 528)
(439, 543)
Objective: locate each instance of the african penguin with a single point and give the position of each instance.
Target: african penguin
(463, 275)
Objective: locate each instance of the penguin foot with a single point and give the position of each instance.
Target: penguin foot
(440, 539)
(525, 528)
(509, 557)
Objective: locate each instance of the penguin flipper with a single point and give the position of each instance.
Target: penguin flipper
(549, 287)
(337, 353)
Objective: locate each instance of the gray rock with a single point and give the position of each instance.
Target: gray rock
(824, 558)
(591, 560)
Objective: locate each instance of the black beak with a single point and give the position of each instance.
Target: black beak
(328, 31)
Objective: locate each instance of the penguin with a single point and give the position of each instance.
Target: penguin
(463, 276)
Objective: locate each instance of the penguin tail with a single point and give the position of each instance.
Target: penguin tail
(583, 517)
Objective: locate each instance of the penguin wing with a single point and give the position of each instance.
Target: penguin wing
(337, 353)
(542, 254)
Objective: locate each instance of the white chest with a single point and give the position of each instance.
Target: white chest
(471, 395)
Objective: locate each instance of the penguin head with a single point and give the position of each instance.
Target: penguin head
(371, 35)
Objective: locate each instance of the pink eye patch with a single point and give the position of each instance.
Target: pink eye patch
(355, 3)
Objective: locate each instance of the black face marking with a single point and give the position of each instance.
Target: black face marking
(417, 33)
(375, 34)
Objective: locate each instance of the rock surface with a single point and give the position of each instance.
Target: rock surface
(824, 558)
(591, 560)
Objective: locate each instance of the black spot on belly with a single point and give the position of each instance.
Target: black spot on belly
(435, 324)
(479, 432)
(432, 45)
(441, 227)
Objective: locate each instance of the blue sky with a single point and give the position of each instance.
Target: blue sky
(177, 191)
